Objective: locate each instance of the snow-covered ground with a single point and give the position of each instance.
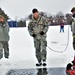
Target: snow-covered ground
(22, 51)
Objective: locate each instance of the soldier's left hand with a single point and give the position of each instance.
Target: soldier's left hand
(42, 33)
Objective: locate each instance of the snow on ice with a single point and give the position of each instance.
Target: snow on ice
(22, 51)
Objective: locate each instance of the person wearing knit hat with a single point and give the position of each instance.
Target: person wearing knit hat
(4, 37)
(73, 9)
(38, 28)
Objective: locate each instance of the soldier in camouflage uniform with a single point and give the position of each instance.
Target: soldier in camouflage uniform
(73, 28)
(38, 28)
(4, 38)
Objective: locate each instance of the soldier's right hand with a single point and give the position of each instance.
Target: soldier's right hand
(34, 35)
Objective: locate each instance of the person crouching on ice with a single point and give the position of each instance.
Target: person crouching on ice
(38, 28)
(4, 37)
(69, 70)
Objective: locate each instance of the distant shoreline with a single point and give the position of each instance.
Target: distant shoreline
(57, 25)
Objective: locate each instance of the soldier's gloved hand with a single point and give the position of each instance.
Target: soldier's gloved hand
(73, 15)
(42, 33)
(34, 35)
(3, 26)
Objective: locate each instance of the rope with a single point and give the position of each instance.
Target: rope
(66, 45)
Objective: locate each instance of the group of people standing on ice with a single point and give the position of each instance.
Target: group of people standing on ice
(38, 28)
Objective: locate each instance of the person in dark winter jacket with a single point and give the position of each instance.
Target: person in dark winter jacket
(62, 26)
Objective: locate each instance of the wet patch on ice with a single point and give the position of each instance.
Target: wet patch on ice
(38, 71)
(21, 72)
(57, 71)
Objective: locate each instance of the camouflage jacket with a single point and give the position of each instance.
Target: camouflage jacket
(4, 32)
(73, 25)
(36, 26)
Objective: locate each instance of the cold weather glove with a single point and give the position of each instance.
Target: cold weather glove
(3, 25)
(34, 35)
(73, 15)
(42, 33)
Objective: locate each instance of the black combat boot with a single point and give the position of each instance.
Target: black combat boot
(39, 63)
(44, 63)
(7, 57)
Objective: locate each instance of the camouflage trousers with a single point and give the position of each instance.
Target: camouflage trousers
(4, 46)
(40, 46)
(74, 41)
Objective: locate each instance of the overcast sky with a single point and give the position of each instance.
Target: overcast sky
(21, 8)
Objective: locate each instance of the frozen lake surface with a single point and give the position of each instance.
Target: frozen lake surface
(22, 51)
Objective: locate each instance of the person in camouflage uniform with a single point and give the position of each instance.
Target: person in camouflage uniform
(4, 38)
(73, 28)
(38, 28)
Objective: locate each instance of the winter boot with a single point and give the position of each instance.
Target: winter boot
(44, 63)
(39, 64)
